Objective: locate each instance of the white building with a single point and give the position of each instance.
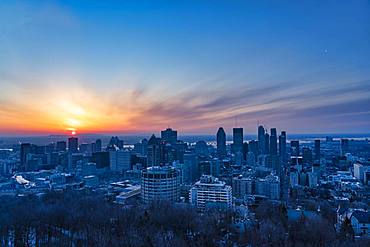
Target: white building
(359, 170)
(209, 192)
(120, 160)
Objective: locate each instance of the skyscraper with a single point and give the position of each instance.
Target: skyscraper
(169, 136)
(282, 146)
(261, 140)
(221, 142)
(61, 146)
(344, 146)
(98, 145)
(26, 148)
(73, 144)
(154, 151)
(237, 140)
(294, 148)
(273, 142)
(317, 150)
(267, 143)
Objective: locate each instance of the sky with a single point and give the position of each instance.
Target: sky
(142, 66)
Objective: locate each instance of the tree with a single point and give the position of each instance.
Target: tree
(346, 230)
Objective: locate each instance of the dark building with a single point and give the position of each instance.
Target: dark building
(26, 148)
(101, 159)
(61, 146)
(73, 144)
(237, 140)
(221, 142)
(307, 155)
(294, 148)
(317, 150)
(245, 150)
(344, 146)
(253, 147)
(169, 136)
(154, 151)
(98, 146)
(282, 146)
(273, 142)
(267, 143)
(261, 140)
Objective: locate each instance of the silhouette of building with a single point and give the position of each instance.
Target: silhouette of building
(273, 142)
(317, 150)
(61, 146)
(169, 136)
(294, 148)
(221, 142)
(73, 144)
(237, 140)
(261, 140)
(154, 151)
(282, 147)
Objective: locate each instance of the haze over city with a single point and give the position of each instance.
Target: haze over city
(140, 66)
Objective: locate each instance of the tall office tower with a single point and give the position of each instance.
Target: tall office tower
(169, 136)
(101, 159)
(221, 142)
(273, 142)
(282, 146)
(344, 146)
(245, 150)
(141, 147)
(267, 143)
(209, 193)
(261, 140)
(237, 140)
(154, 151)
(307, 155)
(191, 161)
(115, 142)
(26, 148)
(294, 148)
(61, 146)
(160, 184)
(253, 147)
(98, 145)
(73, 144)
(120, 160)
(317, 150)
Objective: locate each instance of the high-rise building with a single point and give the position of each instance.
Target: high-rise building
(307, 155)
(98, 146)
(169, 136)
(209, 192)
(160, 184)
(317, 150)
(294, 148)
(237, 140)
(267, 143)
(221, 142)
(141, 147)
(120, 160)
(282, 147)
(242, 186)
(344, 146)
(73, 144)
(26, 149)
(61, 146)
(101, 159)
(273, 142)
(261, 140)
(154, 151)
(253, 147)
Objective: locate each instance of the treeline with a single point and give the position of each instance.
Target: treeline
(87, 219)
(77, 219)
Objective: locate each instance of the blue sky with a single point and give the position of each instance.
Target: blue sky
(136, 66)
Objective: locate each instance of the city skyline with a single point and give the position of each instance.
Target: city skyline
(129, 67)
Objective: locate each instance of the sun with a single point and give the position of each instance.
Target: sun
(73, 132)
